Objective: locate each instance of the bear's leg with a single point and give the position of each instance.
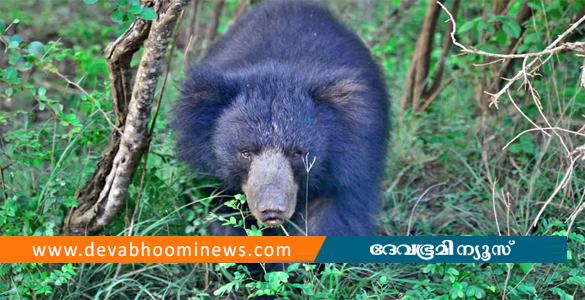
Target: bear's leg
(332, 217)
(217, 229)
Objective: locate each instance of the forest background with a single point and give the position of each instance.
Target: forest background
(487, 139)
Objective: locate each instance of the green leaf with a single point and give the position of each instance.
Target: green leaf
(135, 9)
(577, 280)
(453, 271)
(305, 287)
(90, 1)
(292, 267)
(498, 18)
(13, 56)
(42, 91)
(2, 26)
(16, 38)
(481, 26)
(224, 289)
(131, 18)
(512, 29)
(10, 73)
(466, 26)
(122, 3)
(23, 64)
(479, 293)
(57, 107)
(70, 117)
(474, 291)
(563, 295)
(574, 272)
(514, 148)
(9, 92)
(118, 15)
(429, 268)
(527, 289)
(526, 143)
(50, 67)
(37, 49)
(501, 37)
(525, 267)
(148, 13)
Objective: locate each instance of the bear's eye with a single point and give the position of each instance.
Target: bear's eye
(246, 154)
(296, 155)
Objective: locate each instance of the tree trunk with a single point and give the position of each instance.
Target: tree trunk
(436, 85)
(214, 23)
(420, 62)
(106, 190)
(239, 11)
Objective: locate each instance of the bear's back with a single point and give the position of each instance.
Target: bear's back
(298, 33)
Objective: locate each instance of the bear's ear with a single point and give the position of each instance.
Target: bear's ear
(205, 94)
(206, 84)
(337, 92)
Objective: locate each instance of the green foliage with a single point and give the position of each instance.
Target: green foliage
(238, 204)
(29, 280)
(125, 10)
(43, 148)
(23, 60)
(323, 285)
(470, 281)
(524, 145)
(53, 134)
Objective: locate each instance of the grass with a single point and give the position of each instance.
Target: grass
(446, 175)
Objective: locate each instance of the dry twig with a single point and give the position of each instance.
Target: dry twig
(551, 49)
(530, 65)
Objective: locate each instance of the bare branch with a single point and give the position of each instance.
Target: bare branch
(559, 186)
(541, 129)
(552, 48)
(530, 64)
(93, 216)
(444, 51)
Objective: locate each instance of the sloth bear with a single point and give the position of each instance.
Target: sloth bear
(290, 109)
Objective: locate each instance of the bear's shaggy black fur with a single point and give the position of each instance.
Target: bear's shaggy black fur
(287, 86)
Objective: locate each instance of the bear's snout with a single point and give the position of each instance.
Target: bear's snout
(272, 207)
(270, 188)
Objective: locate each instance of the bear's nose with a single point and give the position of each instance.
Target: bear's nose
(272, 211)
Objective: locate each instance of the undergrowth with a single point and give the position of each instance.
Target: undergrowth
(447, 173)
